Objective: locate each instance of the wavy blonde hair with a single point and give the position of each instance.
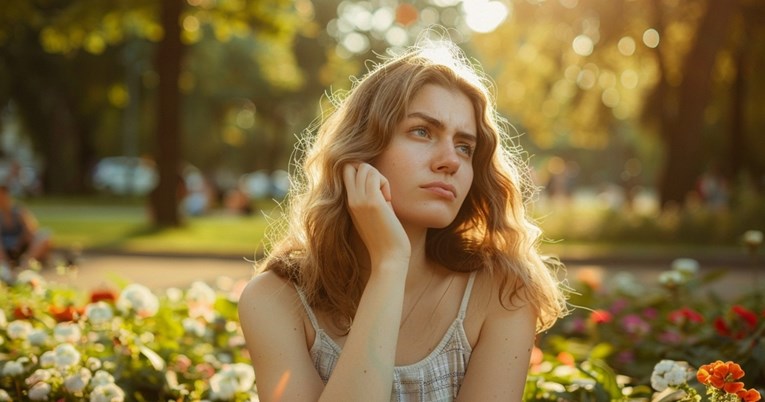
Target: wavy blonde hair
(490, 232)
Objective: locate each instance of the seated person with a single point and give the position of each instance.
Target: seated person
(22, 241)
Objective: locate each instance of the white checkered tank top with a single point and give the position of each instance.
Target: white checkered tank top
(436, 378)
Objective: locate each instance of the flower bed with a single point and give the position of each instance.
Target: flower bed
(59, 344)
(626, 332)
(629, 342)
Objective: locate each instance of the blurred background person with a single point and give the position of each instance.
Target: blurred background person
(22, 239)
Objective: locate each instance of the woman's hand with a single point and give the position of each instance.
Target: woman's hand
(369, 202)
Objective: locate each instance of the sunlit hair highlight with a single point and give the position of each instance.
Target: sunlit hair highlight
(491, 231)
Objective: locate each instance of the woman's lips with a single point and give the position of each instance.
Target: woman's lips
(442, 189)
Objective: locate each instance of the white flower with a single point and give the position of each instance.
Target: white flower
(193, 326)
(101, 378)
(3, 320)
(671, 278)
(753, 238)
(19, 329)
(40, 375)
(39, 391)
(174, 294)
(66, 356)
(99, 312)
(48, 359)
(13, 368)
(93, 363)
(670, 373)
(4, 396)
(38, 337)
(231, 379)
(200, 298)
(67, 332)
(688, 267)
(5, 273)
(30, 277)
(625, 283)
(78, 381)
(107, 393)
(200, 292)
(139, 299)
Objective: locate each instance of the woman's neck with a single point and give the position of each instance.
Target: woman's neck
(420, 269)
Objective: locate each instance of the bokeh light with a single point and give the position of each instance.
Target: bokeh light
(583, 45)
(626, 46)
(651, 38)
(484, 16)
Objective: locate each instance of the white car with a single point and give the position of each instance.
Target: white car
(125, 175)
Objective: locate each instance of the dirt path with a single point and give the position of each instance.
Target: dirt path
(159, 272)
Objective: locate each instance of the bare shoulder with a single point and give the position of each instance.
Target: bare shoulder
(493, 299)
(269, 304)
(267, 292)
(502, 349)
(272, 321)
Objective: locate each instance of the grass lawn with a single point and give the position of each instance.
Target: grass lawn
(122, 224)
(108, 223)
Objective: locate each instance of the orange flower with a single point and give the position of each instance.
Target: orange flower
(722, 376)
(62, 314)
(749, 395)
(733, 387)
(537, 356)
(567, 359)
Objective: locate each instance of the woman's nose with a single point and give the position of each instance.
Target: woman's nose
(446, 159)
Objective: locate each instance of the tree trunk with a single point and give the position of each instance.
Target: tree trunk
(682, 132)
(166, 197)
(738, 154)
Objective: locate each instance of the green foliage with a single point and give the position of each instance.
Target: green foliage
(598, 222)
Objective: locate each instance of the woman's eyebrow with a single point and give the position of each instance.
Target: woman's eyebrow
(440, 125)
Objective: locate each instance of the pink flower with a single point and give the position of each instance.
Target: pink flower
(633, 324)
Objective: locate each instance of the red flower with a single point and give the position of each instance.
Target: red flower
(747, 315)
(722, 327)
(23, 312)
(601, 317)
(684, 314)
(103, 295)
(737, 328)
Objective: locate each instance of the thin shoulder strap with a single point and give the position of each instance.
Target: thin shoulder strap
(466, 295)
(308, 309)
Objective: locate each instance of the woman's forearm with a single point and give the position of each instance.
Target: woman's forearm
(364, 370)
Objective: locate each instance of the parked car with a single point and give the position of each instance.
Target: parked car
(261, 184)
(125, 175)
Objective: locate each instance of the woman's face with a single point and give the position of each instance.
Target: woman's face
(428, 161)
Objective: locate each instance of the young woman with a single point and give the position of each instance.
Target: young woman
(409, 270)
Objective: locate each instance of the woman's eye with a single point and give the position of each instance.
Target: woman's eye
(465, 149)
(420, 132)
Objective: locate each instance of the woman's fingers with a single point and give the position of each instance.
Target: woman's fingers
(364, 184)
(372, 213)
